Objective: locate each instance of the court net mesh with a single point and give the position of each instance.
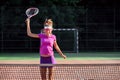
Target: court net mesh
(61, 71)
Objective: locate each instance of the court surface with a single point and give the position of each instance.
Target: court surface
(72, 58)
(81, 66)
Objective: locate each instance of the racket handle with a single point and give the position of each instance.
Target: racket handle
(29, 17)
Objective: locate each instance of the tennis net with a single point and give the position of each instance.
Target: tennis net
(61, 71)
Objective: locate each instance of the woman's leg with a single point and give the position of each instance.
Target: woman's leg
(50, 75)
(47, 60)
(43, 72)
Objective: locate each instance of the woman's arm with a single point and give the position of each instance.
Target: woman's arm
(58, 49)
(29, 33)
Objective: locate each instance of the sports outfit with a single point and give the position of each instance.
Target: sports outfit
(46, 49)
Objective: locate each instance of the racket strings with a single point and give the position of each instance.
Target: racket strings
(32, 12)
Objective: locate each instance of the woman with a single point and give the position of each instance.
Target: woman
(48, 40)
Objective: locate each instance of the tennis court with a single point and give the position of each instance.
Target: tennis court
(82, 66)
(85, 27)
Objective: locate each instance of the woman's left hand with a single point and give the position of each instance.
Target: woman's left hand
(64, 56)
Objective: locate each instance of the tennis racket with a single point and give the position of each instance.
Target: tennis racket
(30, 12)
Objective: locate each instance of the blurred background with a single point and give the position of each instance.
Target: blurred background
(97, 23)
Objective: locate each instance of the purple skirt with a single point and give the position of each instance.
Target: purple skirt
(47, 60)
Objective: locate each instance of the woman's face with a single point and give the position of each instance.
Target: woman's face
(48, 28)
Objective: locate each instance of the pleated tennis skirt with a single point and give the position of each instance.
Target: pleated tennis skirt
(47, 60)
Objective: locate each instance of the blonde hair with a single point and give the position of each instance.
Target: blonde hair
(48, 22)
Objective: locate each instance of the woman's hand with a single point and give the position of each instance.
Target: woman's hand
(64, 56)
(27, 20)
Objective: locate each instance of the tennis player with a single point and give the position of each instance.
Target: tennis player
(48, 40)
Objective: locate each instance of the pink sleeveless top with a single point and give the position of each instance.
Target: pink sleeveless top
(46, 47)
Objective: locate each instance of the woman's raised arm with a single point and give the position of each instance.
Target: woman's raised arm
(29, 33)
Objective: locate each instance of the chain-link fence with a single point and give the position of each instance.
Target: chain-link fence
(98, 27)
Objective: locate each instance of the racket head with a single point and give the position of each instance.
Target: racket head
(30, 12)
